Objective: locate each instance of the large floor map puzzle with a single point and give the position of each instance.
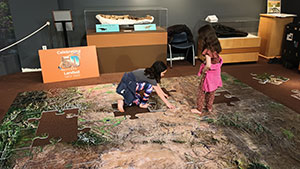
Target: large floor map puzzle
(247, 129)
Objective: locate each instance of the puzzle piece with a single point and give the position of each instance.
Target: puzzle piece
(225, 97)
(134, 110)
(296, 94)
(58, 127)
(267, 78)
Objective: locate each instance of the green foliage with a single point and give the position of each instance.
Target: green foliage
(89, 139)
(257, 166)
(276, 106)
(106, 86)
(12, 133)
(110, 92)
(208, 120)
(82, 120)
(54, 140)
(268, 78)
(264, 76)
(16, 132)
(93, 88)
(101, 129)
(69, 165)
(239, 164)
(7, 141)
(90, 90)
(224, 77)
(112, 121)
(232, 80)
(282, 78)
(236, 120)
(287, 134)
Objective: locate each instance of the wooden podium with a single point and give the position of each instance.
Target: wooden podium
(127, 51)
(271, 30)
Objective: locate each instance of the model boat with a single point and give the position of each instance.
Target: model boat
(124, 19)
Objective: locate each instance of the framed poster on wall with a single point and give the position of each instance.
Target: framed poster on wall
(274, 6)
(64, 64)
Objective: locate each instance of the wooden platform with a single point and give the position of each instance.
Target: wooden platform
(240, 49)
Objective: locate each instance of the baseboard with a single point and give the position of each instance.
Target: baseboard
(31, 69)
(268, 57)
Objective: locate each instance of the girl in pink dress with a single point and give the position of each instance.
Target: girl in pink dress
(210, 70)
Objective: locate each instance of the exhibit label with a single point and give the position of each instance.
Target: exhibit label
(145, 27)
(69, 63)
(107, 28)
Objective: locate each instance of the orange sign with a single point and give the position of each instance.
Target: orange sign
(69, 63)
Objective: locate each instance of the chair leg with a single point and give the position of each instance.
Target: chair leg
(187, 53)
(193, 55)
(170, 50)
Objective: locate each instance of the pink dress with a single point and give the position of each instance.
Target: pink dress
(213, 76)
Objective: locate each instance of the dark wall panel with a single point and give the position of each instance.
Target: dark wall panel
(291, 7)
(9, 62)
(190, 12)
(28, 16)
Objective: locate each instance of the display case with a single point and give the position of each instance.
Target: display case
(159, 18)
(130, 44)
(240, 49)
(245, 24)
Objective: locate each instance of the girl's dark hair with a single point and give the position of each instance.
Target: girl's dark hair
(155, 70)
(208, 39)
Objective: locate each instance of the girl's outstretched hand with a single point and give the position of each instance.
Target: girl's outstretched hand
(166, 96)
(170, 106)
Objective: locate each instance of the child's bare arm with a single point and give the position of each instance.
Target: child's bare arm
(160, 93)
(208, 61)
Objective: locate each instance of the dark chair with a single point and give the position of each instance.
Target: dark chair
(180, 41)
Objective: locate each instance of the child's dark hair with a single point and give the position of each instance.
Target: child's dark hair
(208, 39)
(155, 70)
